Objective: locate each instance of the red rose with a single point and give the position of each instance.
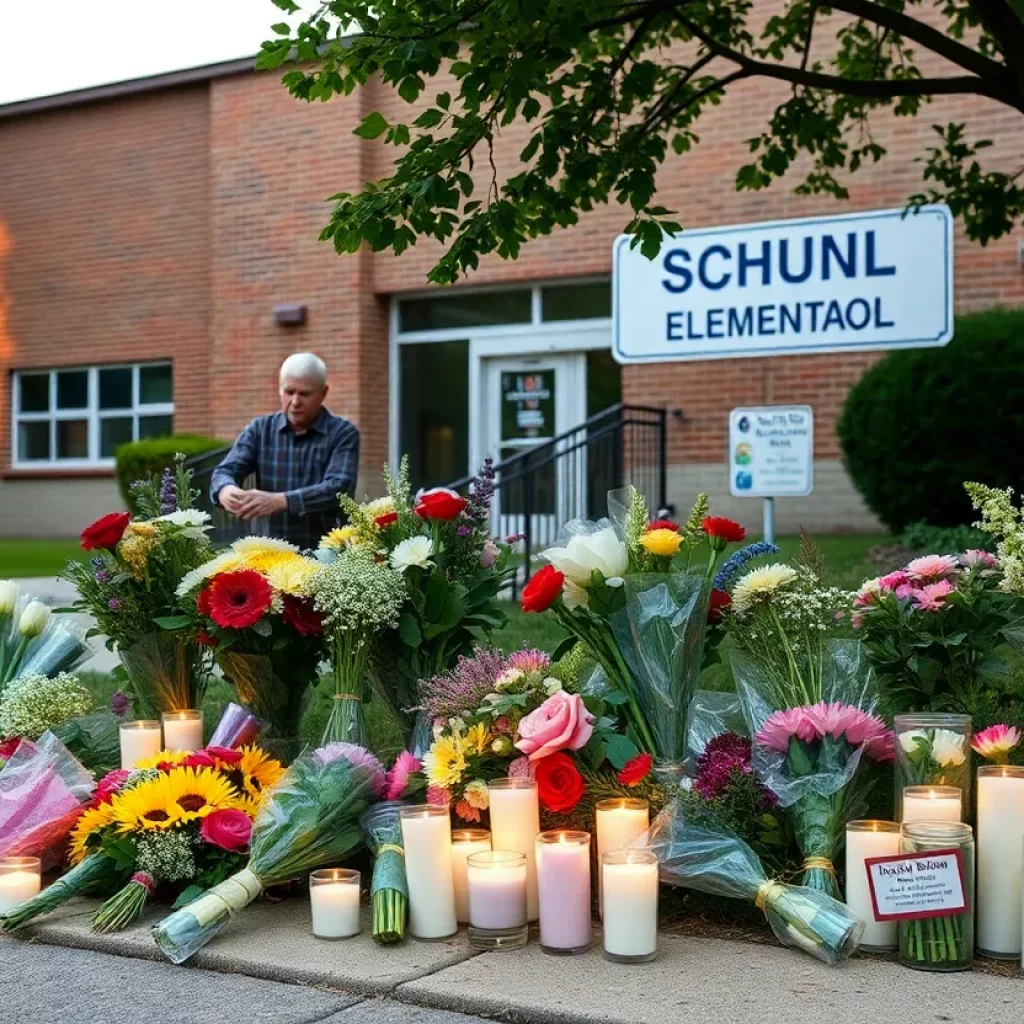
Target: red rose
(722, 531)
(544, 586)
(634, 772)
(720, 600)
(205, 639)
(302, 617)
(387, 519)
(559, 784)
(239, 599)
(229, 829)
(662, 524)
(439, 503)
(203, 602)
(225, 755)
(106, 531)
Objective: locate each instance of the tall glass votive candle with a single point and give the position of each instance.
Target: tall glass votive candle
(515, 823)
(619, 820)
(139, 739)
(427, 838)
(466, 842)
(865, 840)
(334, 902)
(563, 887)
(497, 899)
(19, 881)
(932, 803)
(1000, 806)
(933, 749)
(630, 906)
(183, 730)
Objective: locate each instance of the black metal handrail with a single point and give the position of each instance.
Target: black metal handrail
(226, 527)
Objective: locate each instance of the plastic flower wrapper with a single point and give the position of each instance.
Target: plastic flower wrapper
(309, 820)
(236, 728)
(711, 714)
(723, 865)
(167, 671)
(43, 789)
(94, 740)
(389, 890)
(33, 640)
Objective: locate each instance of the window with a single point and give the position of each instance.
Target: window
(77, 417)
(453, 311)
(586, 301)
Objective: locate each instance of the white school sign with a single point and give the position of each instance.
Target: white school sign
(874, 280)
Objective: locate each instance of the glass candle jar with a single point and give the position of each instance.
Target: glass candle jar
(183, 730)
(563, 885)
(865, 840)
(933, 749)
(619, 821)
(466, 842)
(943, 943)
(19, 881)
(334, 902)
(630, 886)
(932, 803)
(139, 739)
(496, 880)
(515, 822)
(427, 839)
(1000, 806)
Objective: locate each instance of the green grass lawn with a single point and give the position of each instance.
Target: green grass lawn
(37, 556)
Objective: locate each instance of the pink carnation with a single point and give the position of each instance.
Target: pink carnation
(521, 768)
(930, 598)
(398, 778)
(437, 796)
(975, 556)
(931, 567)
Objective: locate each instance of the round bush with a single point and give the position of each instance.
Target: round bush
(139, 460)
(919, 423)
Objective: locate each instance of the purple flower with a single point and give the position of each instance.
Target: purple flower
(463, 688)
(102, 576)
(465, 530)
(114, 604)
(481, 493)
(120, 703)
(168, 494)
(358, 757)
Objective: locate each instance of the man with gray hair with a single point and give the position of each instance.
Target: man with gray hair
(303, 457)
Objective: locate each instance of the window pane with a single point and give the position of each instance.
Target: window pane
(576, 301)
(434, 429)
(155, 426)
(155, 384)
(35, 392)
(72, 389)
(114, 431)
(34, 441)
(116, 388)
(72, 439)
(527, 404)
(459, 311)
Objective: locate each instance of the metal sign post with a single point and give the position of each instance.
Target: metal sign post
(768, 532)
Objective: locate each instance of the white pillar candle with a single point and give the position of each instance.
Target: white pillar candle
(139, 739)
(497, 890)
(466, 842)
(427, 838)
(563, 887)
(334, 903)
(19, 881)
(932, 803)
(630, 885)
(864, 840)
(183, 730)
(619, 822)
(1000, 858)
(515, 823)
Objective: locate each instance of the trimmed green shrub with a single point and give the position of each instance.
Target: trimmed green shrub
(139, 460)
(921, 422)
(945, 540)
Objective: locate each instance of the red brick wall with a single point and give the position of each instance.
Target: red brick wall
(104, 209)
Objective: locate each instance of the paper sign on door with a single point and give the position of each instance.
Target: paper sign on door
(917, 885)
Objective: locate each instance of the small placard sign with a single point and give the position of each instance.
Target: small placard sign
(913, 886)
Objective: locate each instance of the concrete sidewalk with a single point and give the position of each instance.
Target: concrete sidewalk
(694, 980)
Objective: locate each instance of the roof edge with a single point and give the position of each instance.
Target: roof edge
(129, 87)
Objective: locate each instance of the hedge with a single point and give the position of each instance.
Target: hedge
(138, 460)
(919, 423)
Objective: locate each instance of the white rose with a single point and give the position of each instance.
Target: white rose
(586, 552)
(909, 740)
(415, 551)
(574, 596)
(8, 596)
(948, 748)
(34, 619)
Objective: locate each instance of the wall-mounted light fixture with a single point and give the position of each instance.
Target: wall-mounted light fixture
(290, 315)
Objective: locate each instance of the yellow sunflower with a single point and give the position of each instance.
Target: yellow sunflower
(260, 772)
(164, 757)
(445, 762)
(90, 822)
(175, 797)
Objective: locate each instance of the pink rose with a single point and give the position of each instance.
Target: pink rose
(229, 829)
(561, 722)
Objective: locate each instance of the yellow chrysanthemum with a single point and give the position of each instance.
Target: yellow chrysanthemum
(380, 506)
(291, 577)
(164, 757)
(88, 823)
(477, 739)
(338, 538)
(759, 584)
(178, 796)
(662, 542)
(260, 772)
(445, 762)
(134, 550)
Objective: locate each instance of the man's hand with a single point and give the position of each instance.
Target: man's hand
(230, 497)
(259, 503)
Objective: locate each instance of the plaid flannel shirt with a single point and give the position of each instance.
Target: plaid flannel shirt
(312, 469)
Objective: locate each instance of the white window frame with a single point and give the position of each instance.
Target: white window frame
(91, 413)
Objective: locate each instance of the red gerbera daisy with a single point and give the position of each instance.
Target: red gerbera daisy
(636, 771)
(302, 617)
(238, 600)
(203, 602)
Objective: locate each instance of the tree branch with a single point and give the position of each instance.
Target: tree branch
(1006, 28)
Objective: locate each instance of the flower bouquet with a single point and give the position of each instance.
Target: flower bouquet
(43, 790)
(722, 864)
(440, 542)
(32, 641)
(311, 818)
(33, 704)
(252, 605)
(129, 585)
(180, 820)
(358, 599)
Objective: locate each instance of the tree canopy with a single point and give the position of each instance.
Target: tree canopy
(617, 88)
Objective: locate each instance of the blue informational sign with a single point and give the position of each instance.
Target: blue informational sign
(874, 280)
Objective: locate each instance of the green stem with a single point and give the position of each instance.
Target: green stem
(12, 665)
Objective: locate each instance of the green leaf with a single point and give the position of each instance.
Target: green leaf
(616, 698)
(288, 6)
(282, 28)
(621, 750)
(189, 893)
(173, 621)
(429, 118)
(409, 630)
(435, 595)
(373, 126)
